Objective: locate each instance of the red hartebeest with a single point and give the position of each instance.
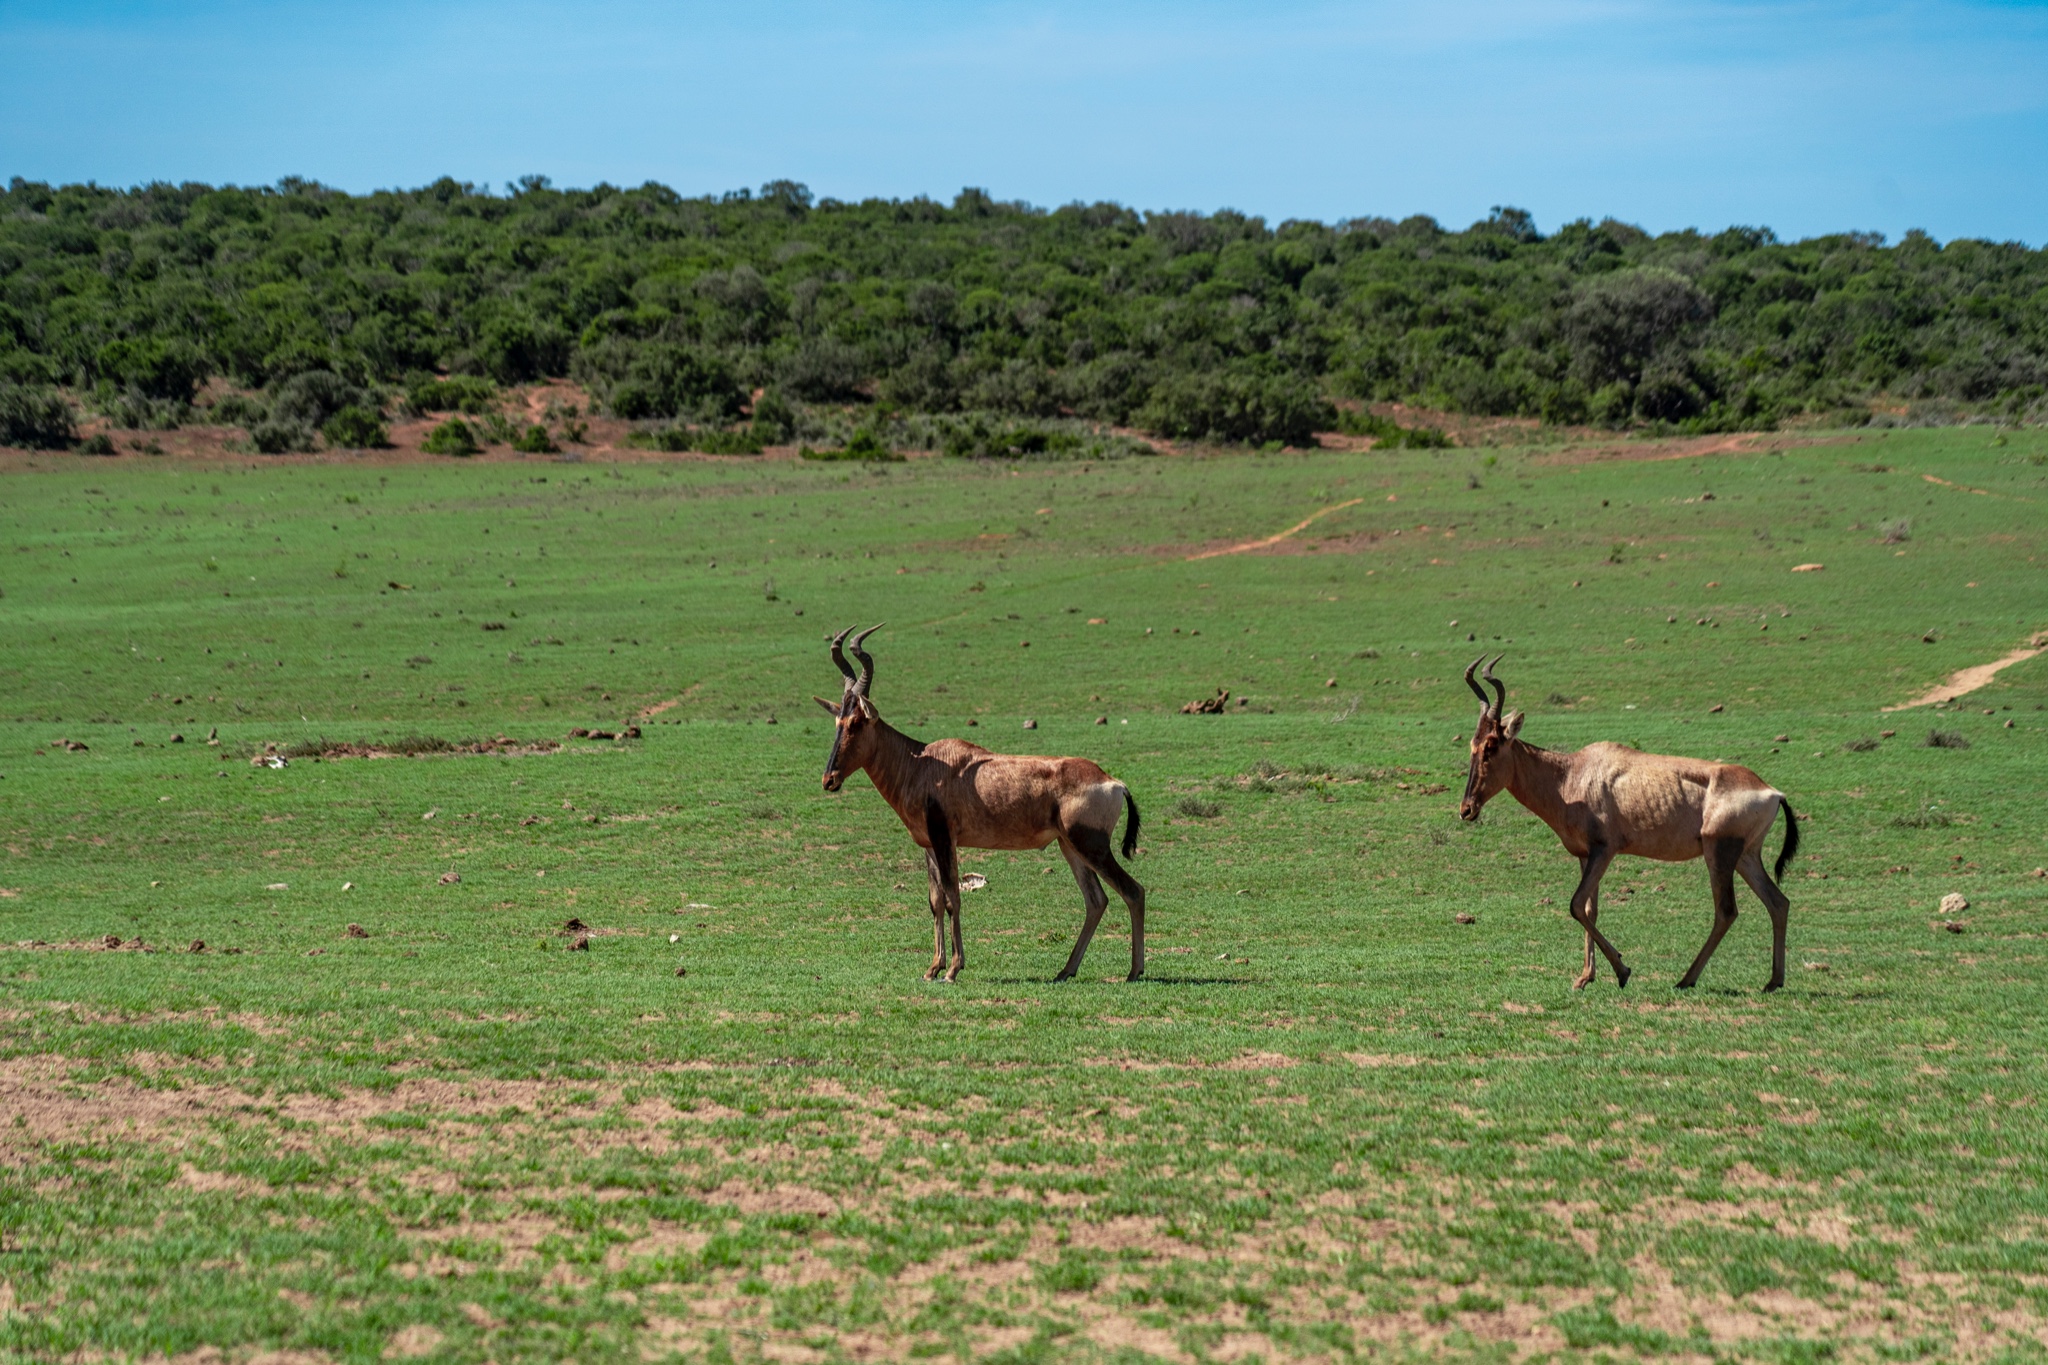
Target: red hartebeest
(951, 795)
(1609, 799)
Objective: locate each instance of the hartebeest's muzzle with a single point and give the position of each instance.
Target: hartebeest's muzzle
(834, 778)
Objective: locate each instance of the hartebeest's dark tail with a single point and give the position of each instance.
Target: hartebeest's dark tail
(1791, 846)
(1131, 825)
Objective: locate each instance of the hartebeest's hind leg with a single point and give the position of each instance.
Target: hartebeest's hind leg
(1089, 848)
(1722, 857)
(942, 863)
(1776, 902)
(1591, 868)
(1094, 900)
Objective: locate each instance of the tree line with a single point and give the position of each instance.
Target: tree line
(1218, 326)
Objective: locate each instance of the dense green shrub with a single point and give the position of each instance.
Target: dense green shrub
(534, 441)
(99, 443)
(862, 445)
(774, 419)
(237, 410)
(159, 366)
(660, 380)
(310, 399)
(452, 437)
(457, 393)
(37, 418)
(1239, 406)
(1388, 434)
(1216, 327)
(137, 411)
(978, 436)
(272, 436)
(357, 428)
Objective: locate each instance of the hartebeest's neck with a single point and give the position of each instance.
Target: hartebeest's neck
(1536, 778)
(894, 767)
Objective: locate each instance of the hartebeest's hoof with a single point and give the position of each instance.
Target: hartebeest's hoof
(1776, 983)
(1621, 976)
(1064, 976)
(1138, 975)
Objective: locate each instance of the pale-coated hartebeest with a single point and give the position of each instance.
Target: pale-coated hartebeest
(951, 795)
(1609, 799)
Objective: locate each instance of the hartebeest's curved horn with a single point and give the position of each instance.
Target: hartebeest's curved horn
(1477, 690)
(840, 658)
(1499, 688)
(867, 664)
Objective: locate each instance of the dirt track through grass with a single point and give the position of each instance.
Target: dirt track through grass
(1334, 1123)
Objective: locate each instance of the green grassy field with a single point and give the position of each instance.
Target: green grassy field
(1332, 1123)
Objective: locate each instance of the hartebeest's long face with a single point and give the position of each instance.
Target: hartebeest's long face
(1490, 740)
(857, 723)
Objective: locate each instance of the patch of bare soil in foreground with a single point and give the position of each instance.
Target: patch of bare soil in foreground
(846, 1173)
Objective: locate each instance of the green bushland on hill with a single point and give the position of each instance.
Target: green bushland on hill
(1215, 326)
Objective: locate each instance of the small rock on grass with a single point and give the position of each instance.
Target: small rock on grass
(1955, 926)
(682, 971)
(450, 878)
(1464, 918)
(357, 931)
(198, 946)
(581, 944)
(1953, 904)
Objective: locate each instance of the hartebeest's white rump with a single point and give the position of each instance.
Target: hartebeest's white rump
(951, 794)
(1608, 799)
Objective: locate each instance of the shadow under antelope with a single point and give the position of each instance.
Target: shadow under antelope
(1608, 799)
(951, 794)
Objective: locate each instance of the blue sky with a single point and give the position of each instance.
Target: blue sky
(1807, 117)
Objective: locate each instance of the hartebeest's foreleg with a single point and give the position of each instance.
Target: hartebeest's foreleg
(1088, 854)
(942, 864)
(1592, 922)
(1592, 868)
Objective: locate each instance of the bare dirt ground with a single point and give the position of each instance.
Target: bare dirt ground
(1964, 681)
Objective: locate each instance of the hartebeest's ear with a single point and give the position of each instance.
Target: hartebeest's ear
(831, 706)
(867, 708)
(1513, 726)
